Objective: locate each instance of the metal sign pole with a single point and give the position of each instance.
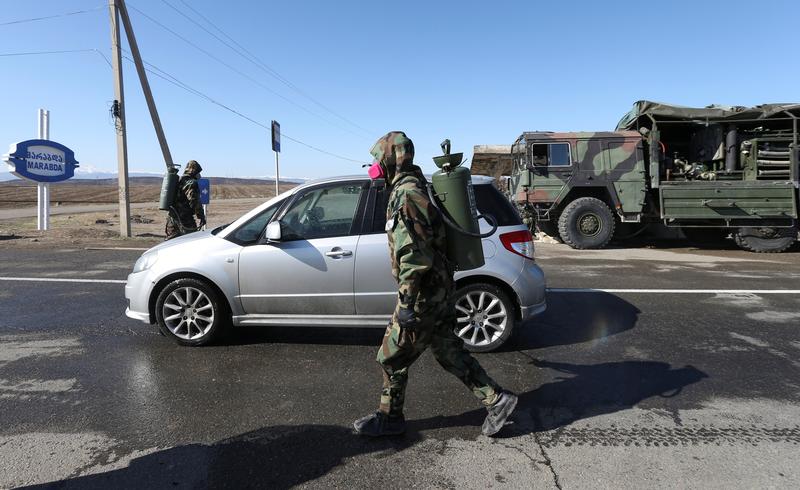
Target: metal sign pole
(43, 188)
(277, 174)
(276, 147)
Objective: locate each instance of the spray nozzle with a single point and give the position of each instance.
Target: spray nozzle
(448, 161)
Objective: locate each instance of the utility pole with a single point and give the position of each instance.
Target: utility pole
(120, 12)
(148, 95)
(119, 116)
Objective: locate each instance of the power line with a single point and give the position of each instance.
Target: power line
(63, 51)
(235, 70)
(35, 19)
(178, 83)
(249, 56)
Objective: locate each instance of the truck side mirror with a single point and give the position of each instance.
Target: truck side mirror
(274, 231)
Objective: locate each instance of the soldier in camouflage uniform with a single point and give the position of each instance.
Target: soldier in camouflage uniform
(425, 312)
(180, 219)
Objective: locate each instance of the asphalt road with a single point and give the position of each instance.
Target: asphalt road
(629, 387)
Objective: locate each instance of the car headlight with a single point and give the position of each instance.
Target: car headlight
(145, 262)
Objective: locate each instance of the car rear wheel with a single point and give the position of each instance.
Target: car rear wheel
(190, 312)
(485, 317)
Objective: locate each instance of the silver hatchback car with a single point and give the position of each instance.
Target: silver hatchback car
(317, 255)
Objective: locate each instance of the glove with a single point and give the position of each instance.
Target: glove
(407, 319)
(202, 223)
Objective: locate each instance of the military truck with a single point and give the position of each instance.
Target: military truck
(711, 172)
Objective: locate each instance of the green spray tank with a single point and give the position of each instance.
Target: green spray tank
(169, 189)
(452, 194)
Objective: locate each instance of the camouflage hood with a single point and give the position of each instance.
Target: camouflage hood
(192, 169)
(395, 153)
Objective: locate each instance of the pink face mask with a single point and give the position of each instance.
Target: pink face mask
(376, 171)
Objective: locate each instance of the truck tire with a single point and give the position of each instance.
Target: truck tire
(765, 240)
(586, 223)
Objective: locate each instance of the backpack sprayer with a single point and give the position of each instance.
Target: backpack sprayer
(452, 195)
(169, 188)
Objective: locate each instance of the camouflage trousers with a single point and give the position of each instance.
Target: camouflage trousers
(400, 348)
(176, 226)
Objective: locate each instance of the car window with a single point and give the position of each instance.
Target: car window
(322, 213)
(491, 201)
(488, 199)
(251, 231)
(379, 216)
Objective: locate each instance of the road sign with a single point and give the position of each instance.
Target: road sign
(205, 190)
(41, 160)
(276, 137)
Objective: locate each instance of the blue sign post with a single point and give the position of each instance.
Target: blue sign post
(42, 161)
(205, 191)
(205, 194)
(276, 147)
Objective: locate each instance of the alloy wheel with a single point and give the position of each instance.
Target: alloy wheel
(482, 318)
(188, 313)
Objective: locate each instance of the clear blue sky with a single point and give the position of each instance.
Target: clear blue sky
(478, 72)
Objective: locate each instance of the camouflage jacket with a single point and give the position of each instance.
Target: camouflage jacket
(417, 245)
(188, 202)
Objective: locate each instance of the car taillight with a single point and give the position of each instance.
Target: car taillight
(518, 242)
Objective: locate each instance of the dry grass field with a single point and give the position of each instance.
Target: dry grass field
(101, 228)
(15, 194)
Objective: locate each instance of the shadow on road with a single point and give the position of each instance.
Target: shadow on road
(587, 391)
(304, 335)
(572, 318)
(285, 456)
(273, 457)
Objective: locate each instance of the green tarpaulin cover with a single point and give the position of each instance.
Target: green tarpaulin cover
(713, 112)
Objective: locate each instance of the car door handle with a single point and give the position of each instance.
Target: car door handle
(339, 253)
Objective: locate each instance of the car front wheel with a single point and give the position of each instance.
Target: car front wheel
(485, 317)
(190, 312)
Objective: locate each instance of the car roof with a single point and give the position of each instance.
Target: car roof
(476, 180)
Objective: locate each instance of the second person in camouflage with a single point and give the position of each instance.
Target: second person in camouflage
(425, 312)
(180, 219)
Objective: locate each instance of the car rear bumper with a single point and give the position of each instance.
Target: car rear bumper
(527, 312)
(531, 289)
(137, 292)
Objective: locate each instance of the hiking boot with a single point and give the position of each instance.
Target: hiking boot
(499, 413)
(379, 424)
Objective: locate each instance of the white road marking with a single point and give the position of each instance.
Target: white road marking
(59, 279)
(675, 291)
(115, 248)
(549, 290)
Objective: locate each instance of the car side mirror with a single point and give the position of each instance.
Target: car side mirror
(274, 231)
